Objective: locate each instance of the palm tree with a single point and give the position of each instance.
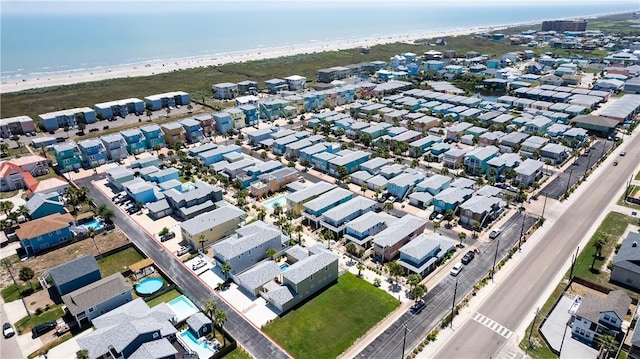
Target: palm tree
(413, 280)
(202, 240)
(363, 188)
(225, 269)
(277, 209)
(91, 232)
(298, 230)
(220, 318)
(436, 225)
(360, 268)
(328, 236)
(6, 206)
(448, 214)
(387, 207)
(609, 343)
(23, 211)
(462, 236)
(148, 112)
(476, 228)
(26, 275)
(262, 214)
(395, 270)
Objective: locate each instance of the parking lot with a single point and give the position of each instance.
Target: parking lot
(572, 173)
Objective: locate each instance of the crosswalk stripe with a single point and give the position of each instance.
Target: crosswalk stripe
(492, 324)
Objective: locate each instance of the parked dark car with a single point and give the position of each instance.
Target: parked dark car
(468, 257)
(433, 215)
(167, 236)
(40, 329)
(418, 307)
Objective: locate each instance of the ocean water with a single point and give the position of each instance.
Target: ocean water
(34, 42)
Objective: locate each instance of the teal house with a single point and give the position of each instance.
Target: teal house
(68, 156)
(153, 135)
(44, 204)
(135, 141)
(272, 110)
(321, 160)
(450, 198)
(351, 160)
(251, 114)
(418, 147)
(477, 161)
(318, 206)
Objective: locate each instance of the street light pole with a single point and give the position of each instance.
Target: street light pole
(404, 340)
(495, 258)
(569, 180)
(524, 216)
(453, 304)
(8, 265)
(544, 205)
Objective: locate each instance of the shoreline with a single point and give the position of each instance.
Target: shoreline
(150, 68)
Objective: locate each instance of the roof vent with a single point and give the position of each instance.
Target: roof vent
(634, 244)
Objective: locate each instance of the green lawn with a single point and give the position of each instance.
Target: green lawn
(637, 177)
(10, 293)
(610, 229)
(328, 324)
(238, 353)
(166, 297)
(25, 324)
(118, 262)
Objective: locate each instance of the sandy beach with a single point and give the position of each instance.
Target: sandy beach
(169, 65)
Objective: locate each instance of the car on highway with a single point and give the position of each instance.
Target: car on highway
(7, 330)
(615, 163)
(199, 264)
(468, 257)
(495, 233)
(456, 269)
(623, 153)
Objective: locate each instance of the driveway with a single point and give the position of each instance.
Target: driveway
(558, 333)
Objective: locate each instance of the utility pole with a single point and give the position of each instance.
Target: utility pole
(544, 205)
(453, 304)
(404, 340)
(8, 265)
(495, 258)
(524, 217)
(573, 263)
(569, 180)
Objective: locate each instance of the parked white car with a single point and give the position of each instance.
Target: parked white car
(199, 264)
(456, 269)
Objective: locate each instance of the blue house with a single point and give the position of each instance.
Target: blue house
(433, 65)
(167, 100)
(223, 122)
(135, 141)
(273, 109)
(193, 130)
(93, 153)
(153, 135)
(165, 175)
(434, 184)
(210, 157)
(75, 274)
(350, 160)
(417, 148)
(276, 85)
(318, 206)
(45, 204)
(142, 191)
(115, 146)
(45, 232)
(422, 254)
(450, 199)
(399, 186)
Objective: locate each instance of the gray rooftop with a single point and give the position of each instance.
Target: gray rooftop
(398, 230)
(434, 182)
(407, 179)
(453, 195)
(157, 349)
(302, 269)
(310, 192)
(338, 213)
(198, 320)
(246, 238)
(592, 305)
(210, 220)
(424, 244)
(95, 293)
(72, 270)
(297, 252)
(39, 199)
(529, 167)
(462, 182)
(628, 257)
(258, 275)
(327, 199)
(483, 153)
(480, 204)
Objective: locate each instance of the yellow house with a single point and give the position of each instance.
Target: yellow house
(212, 226)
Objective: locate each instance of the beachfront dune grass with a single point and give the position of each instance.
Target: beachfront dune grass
(329, 323)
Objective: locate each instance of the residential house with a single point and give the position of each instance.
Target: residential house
(337, 218)
(247, 88)
(555, 152)
(213, 226)
(132, 330)
(314, 209)
(97, 298)
(237, 117)
(173, 133)
(273, 181)
(11, 177)
(361, 230)
(251, 114)
(374, 165)
(511, 141)
(626, 265)
(167, 100)
(295, 82)
(502, 162)
(297, 200)
(190, 200)
(223, 122)
(193, 130)
(206, 123)
(224, 91)
(434, 184)
(121, 108)
(276, 85)
(419, 147)
(93, 153)
(135, 141)
(153, 136)
(302, 279)
(142, 191)
(423, 254)
(45, 204)
(67, 156)
(401, 185)
(52, 121)
(599, 316)
(75, 274)
(115, 147)
(480, 209)
(453, 133)
(387, 243)
(450, 199)
(538, 124)
(215, 155)
(145, 162)
(476, 161)
(19, 125)
(528, 171)
(349, 160)
(250, 174)
(42, 233)
(532, 146)
(199, 324)
(454, 157)
(248, 246)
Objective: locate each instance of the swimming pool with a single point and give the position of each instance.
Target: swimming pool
(284, 266)
(201, 347)
(183, 308)
(94, 223)
(149, 286)
(281, 200)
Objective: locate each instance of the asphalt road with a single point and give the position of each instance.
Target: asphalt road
(9, 348)
(251, 338)
(556, 188)
(518, 293)
(439, 299)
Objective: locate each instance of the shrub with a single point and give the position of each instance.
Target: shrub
(39, 311)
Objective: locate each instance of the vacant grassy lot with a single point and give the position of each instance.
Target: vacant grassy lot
(118, 262)
(331, 322)
(238, 354)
